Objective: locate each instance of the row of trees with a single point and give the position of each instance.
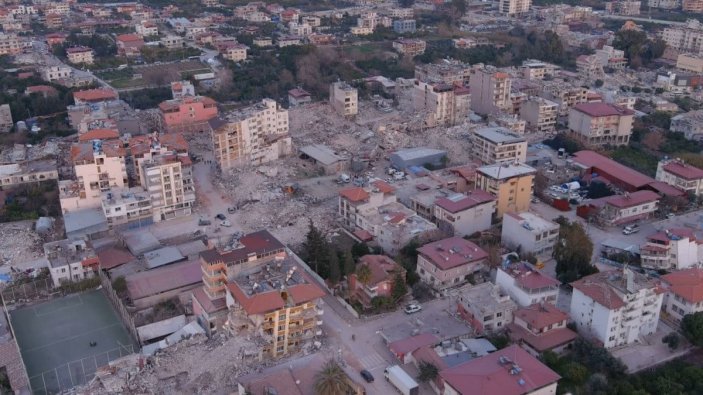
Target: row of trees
(639, 49)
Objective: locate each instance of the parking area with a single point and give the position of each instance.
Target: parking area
(650, 351)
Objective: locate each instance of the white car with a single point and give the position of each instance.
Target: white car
(412, 308)
(226, 223)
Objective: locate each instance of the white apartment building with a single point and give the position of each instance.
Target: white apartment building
(536, 69)
(344, 99)
(589, 66)
(565, 95)
(441, 104)
(672, 249)
(299, 29)
(235, 52)
(147, 28)
(465, 214)
(98, 167)
(683, 293)
(490, 91)
(666, 4)
(70, 260)
(627, 208)
(53, 73)
(172, 41)
(127, 207)
(689, 123)
(529, 232)
(540, 114)
(401, 13)
(492, 145)
(615, 307)
(253, 135)
(513, 7)
(688, 38)
(449, 263)
(486, 307)
(599, 124)
(511, 122)
(78, 55)
(611, 58)
(526, 285)
(169, 182)
(679, 174)
(6, 122)
(28, 172)
(449, 72)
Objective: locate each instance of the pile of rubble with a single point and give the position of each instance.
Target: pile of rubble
(20, 245)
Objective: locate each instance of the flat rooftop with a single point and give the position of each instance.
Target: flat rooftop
(499, 135)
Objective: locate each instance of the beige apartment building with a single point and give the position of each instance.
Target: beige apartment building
(6, 122)
(344, 99)
(252, 135)
(540, 114)
(692, 6)
(80, 55)
(410, 47)
(565, 95)
(690, 62)
(513, 7)
(235, 52)
(169, 181)
(10, 44)
(492, 145)
(599, 124)
(450, 72)
(677, 173)
(511, 184)
(688, 38)
(442, 104)
(490, 91)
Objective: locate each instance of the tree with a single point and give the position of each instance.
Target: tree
(119, 284)
(315, 250)
(331, 380)
(360, 249)
(348, 264)
(363, 273)
(428, 371)
(398, 288)
(459, 6)
(672, 340)
(692, 328)
(335, 272)
(573, 252)
(598, 83)
(598, 190)
(406, 3)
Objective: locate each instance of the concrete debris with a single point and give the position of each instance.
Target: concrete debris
(20, 245)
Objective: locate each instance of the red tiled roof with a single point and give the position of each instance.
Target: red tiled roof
(452, 252)
(540, 315)
(78, 49)
(129, 38)
(383, 186)
(488, 376)
(41, 89)
(683, 170)
(687, 283)
(94, 95)
(602, 109)
(163, 279)
(99, 134)
(363, 235)
(266, 302)
(684, 233)
(253, 243)
(112, 257)
(354, 194)
(211, 306)
(473, 199)
(298, 92)
(595, 288)
(665, 189)
(544, 342)
(410, 344)
(140, 145)
(428, 354)
(382, 267)
(632, 199)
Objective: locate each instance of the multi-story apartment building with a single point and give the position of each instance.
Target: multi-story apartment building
(526, 285)
(689, 123)
(486, 307)
(442, 104)
(410, 46)
(78, 55)
(147, 28)
(491, 145)
(299, 29)
(344, 99)
(683, 293)
(188, 114)
(599, 124)
(536, 69)
(172, 41)
(623, 209)
(510, 122)
(449, 72)
(92, 96)
(129, 45)
(672, 249)
(540, 114)
(146, 147)
(490, 91)
(690, 62)
(688, 38)
(403, 26)
(589, 66)
(465, 214)
(513, 7)
(679, 174)
(511, 184)
(234, 52)
(98, 167)
(666, 4)
(252, 135)
(127, 208)
(611, 58)
(401, 12)
(692, 6)
(449, 263)
(529, 232)
(6, 122)
(28, 172)
(10, 44)
(169, 181)
(565, 95)
(615, 307)
(70, 260)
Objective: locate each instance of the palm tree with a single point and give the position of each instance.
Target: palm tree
(363, 273)
(331, 380)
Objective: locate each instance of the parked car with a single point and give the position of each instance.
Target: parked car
(412, 308)
(221, 217)
(630, 229)
(231, 210)
(226, 224)
(670, 216)
(367, 376)
(203, 222)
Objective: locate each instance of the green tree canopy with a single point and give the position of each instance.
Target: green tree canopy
(573, 252)
(428, 371)
(692, 328)
(331, 380)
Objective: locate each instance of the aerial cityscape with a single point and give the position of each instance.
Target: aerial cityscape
(337, 197)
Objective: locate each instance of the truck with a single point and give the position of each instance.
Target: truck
(401, 380)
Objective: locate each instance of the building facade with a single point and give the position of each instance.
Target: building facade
(493, 145)
(529, 232)
(681, 175)
(683, 293)
(344, 99)
(540, 114)
(511, 184)
(490, 91)
(441, 104)
(188, 114)
(485, 307)
(672, 249)
(600, 124)
(526, 285)
(449, 262)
